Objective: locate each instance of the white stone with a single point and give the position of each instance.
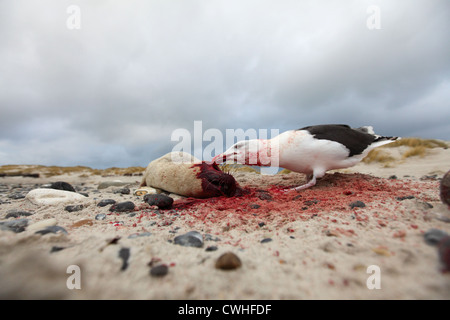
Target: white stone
(44, 196)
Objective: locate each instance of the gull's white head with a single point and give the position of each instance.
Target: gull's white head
(256, 152)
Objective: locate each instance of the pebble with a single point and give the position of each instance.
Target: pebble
(434, 236)
(122, 191)
(266, 240)
(159, 270)
(100, 216)
(190, 239)
(61, 185)
(114, 183)
(254, 206)
(16, 196)
(209, 237)
(211, 248)
(44, 196)
(74, 208)
(52, 229)
(17, 225)
(160, 200)
(228, 261)
(137, 235)
(357, 204)
(444, 191)
(82, 222)
(124, 254)
(17, 213)
(264, 195)
(444, 252)
(404, 198)
(126, 206)
(105, 202)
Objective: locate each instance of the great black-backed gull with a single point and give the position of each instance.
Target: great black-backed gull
(312, 150)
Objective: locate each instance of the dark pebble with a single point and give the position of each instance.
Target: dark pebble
(357, 204)
(261, 224)
(100, 216)
(126, 206)
(74, 208)
(159, 270)
(160, 200)
(211, 248)
(18, 213)
(444, 191)
(228, 261)
(105, 202)
(266, 240)
(444, 253)
(393, 177)
(434, 236)
(16, 196)
(61, 185)
(265, 196)
(190, 239)
(16, 226)
(124, 190)
(255, 206)
(310, 202)
(405, 198)
(56, 249)
(209, 237)
(52, 229)
(124, 254)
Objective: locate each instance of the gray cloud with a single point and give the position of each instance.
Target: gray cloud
(111, 93)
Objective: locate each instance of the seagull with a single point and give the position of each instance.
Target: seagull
(312, 150)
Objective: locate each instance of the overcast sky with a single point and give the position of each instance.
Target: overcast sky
(112, 92)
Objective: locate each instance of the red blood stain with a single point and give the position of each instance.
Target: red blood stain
(331, 196)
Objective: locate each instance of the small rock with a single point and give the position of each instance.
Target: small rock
(393, 177)
(404, 198)
(56, 249)
(444, 191)
(160, 200)
(61, 185)
(126, 206)
(434, 236)
(261, 224)
(444, 253)
(115, 183)
(266, 240)
(105, 202)
(265, 196)
(209, 237)
(124, 254)
(52, 229)
(100, 216)
(159, 270)
(190, 239)
(136, 235)
(228, 261)
(255, 206)
(122, 191)
(16, 196)
(44, 196)
(357, 204)
(17, 213)
(82, 222)
(74, 208)
(211, 248)
(310, 202)
(16, 226)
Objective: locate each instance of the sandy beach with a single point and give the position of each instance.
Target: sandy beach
(317, 243)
